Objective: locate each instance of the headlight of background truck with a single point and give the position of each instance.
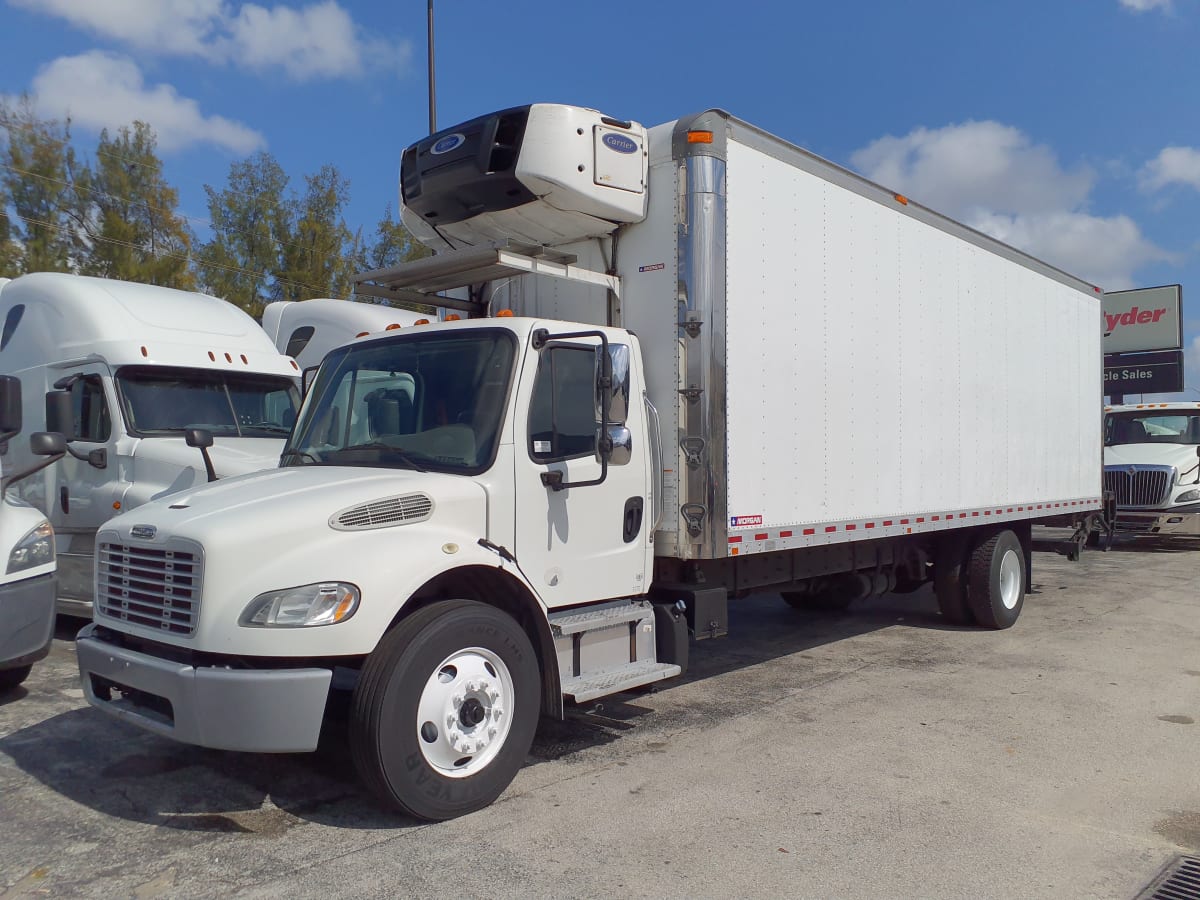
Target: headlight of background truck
(326, 603)
(35, 549)
(1188, 497)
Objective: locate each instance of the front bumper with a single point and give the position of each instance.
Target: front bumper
(1183, 521)
(26, 620)
(255, 710)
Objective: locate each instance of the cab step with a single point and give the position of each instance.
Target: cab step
(601, 684)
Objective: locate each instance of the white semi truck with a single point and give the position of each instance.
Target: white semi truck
(124, 371)
(697, 362)
(1152, 467)
(308, 329)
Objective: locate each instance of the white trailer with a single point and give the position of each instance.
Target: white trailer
(124, 371)
(308, 329)
(700, 362)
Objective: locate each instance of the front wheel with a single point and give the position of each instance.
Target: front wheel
(11, 678)
(997, 580)
(445, 710)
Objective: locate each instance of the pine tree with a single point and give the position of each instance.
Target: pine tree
(134, 230)
(318, 250)
(43, 210)
(249, 224)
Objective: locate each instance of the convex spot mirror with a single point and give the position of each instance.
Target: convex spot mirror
(619, 447)
(618, 397)
(60, 414)
(47, 443)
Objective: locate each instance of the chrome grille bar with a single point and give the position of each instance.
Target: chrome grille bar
(149, 586)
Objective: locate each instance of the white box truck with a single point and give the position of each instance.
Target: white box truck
(124, 371)
(700, 362)
(308, 329)
(27, 550)
(1152, 467)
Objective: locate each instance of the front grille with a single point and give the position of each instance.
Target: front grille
(380, 513)
(1139, 485)
(151, 586)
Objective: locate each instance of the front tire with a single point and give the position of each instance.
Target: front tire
(445, 710)
(11, 678)
(997, 581)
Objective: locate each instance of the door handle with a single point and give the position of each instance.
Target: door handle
(64, 500)
(633, 519)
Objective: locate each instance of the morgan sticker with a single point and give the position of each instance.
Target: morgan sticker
(744, 521)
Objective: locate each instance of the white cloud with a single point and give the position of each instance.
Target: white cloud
(320, 40)
(1174, 165)
(994, 178)
(1141, 6)
(101, 90)
(976, 165)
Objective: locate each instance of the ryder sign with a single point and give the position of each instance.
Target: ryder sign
(1143, 319)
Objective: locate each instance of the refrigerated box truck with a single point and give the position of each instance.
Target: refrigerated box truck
(697, 362)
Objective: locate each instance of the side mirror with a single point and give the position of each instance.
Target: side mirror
(60, 414)
(612, 363)
(10, 407)
(198, 437)
(201, 438)
(47, 443)
(618, 449)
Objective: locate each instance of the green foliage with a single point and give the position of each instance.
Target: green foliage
(134, 232)
(41, 206)
(118, 218)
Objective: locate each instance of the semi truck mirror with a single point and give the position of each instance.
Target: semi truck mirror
(618, 402)
(201, 438)
(47, 443)
(60, 414)
(618, 447)
(10, 407)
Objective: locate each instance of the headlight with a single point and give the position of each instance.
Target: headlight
(1188, 497)
(326, 603)
(35, 549)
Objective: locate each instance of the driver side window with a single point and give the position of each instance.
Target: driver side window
(562, 414)
(92, 422)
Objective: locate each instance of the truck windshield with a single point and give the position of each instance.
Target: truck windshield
(1161, 427)
(426, 401)
(158, 400)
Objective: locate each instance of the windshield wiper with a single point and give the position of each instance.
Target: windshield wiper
(292, 453)
(267, 426)
(404, 455)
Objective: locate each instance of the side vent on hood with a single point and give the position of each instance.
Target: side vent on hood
(383, 513)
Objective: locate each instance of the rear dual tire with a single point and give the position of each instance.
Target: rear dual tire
(984, 584)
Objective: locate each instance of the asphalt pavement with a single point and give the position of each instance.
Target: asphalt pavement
(872, 753)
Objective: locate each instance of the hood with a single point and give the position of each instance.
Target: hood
(1181, 456)
(230, 455)
(284, 507)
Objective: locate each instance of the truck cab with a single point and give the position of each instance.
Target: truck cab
(308, 329)
(1152, 466)
(124, 371)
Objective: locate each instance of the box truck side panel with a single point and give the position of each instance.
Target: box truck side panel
(885, 367)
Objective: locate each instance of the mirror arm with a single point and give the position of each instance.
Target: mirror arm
(25, 473)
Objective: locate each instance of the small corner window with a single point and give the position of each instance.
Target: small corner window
(92, 422)
(562, 415)
(11, 321)
(299, 340)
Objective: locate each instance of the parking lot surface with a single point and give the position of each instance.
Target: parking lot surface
(870, 753)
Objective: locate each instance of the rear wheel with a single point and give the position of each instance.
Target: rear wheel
(11, 678)
(445, 710)
(997, 580)
(950, 580)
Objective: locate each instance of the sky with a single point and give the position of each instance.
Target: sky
(1067, 128)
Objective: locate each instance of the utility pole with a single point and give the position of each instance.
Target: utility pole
(432, 91)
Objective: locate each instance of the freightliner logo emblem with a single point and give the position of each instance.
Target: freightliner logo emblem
(143, 532)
